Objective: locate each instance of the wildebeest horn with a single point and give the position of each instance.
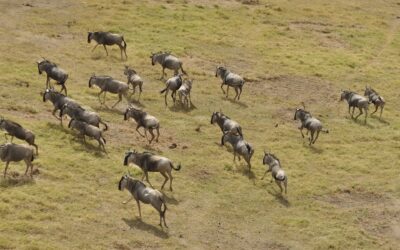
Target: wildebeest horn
(304, 106)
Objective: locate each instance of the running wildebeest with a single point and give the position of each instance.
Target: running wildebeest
(53, 72)
(149, 162)
(134, 79)
(376, 99)
(354, 100)
(231, 80)
(58, 100)
(14, 152)
(184, 93)
(310, 123)
(107, 38)
(88, 130)
(167, 61)
(274, 166)
(15, 129)
(80, 114)
(142, 119)
(173, 84)
(108, 84)
(144, 194)
(225, 123)
(240, 146)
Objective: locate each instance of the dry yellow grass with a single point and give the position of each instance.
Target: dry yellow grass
(344, 192)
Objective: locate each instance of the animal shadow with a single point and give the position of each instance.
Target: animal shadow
(180, 108)
(13, 179)
(280, 198)
(239, 103)
(141, 225)
(170, 199)
(89, 148)
(380, 120)
(313, 148)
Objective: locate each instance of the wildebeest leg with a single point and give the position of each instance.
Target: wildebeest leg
(147, 178)
(99, 96)
(63, 88)
(54, 114)
(227, 91)
(121, 48)
(12, 137)
(95, 47)
(301, 131)
(311, 136)
(380, 116)
(152, 135)
(359, 113)
(376, 108)
(165, 179)
(316, 137)
(124, 202)
(47, 82)
(352, 113)
(165, 97)
(5, 170)
(105, 48)
(170, 180)
(140, 212)
(140, 90)
(266, 171)
(248, 163)
(222, 85)
(158, 134)
(163, 73)
(137, 129)
(279, 185)
(119, 99)
(237, 93)
(240, 93)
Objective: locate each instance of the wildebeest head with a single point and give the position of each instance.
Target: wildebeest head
(122, 182)
(89, 38)
(70, 123)
(214, 117)
(268, 158)
(127, 156)
(90, 80)
(345, 95)
(153, 56)
(129, 71)
(46, 94)
(368, 91)
(300, 114)
(220, 71)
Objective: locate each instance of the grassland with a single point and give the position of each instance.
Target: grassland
(344, 192)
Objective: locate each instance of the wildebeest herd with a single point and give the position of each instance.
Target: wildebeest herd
(88, 122)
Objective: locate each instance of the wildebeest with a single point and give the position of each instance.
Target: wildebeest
(14, 152)
(173, 84)
(53, 72)
(134, 79)
(166, 60)
(310, 123)
(354, 100)
(274, 166)
(184, 93)
(376, 99)
(225, 123)
(88, 130)
(231, 80)
(142, 119)
(144, 194)
(107, 38)
(15, 129)
(58, 100)
(240, 146)
(80, 114)
(108, 84)
(149, 162)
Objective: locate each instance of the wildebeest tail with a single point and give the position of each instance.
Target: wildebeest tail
(162, 91)
(250, 149)
(103, 140)
(239, 130)
(184, 72)
(33, 157)
(177, 168)
(105, 125)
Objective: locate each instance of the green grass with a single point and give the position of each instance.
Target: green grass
(344, 192)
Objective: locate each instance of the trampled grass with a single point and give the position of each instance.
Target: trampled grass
(343, 192)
